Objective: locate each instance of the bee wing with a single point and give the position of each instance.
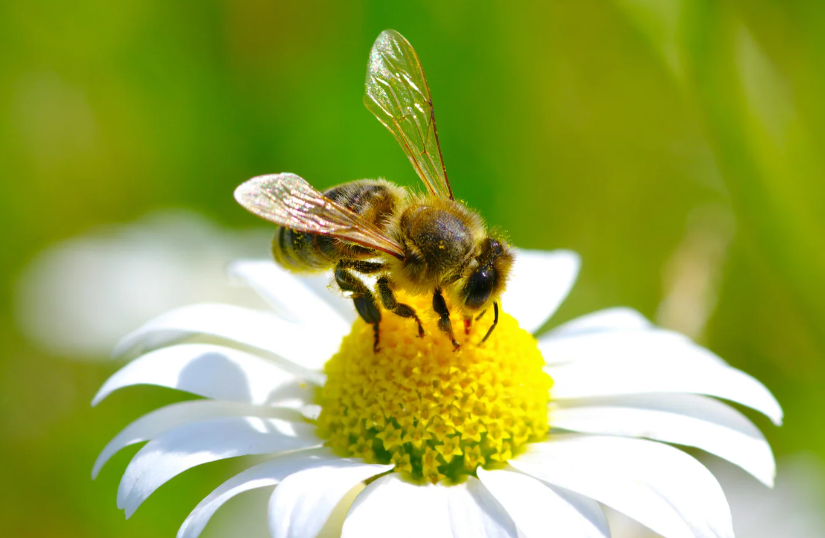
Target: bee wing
(288, 200)
(398, 95)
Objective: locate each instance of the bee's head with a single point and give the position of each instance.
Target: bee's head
(485, 276)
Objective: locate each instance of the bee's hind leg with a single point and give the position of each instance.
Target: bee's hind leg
(399, 309)
(362, 298)
(444, 323)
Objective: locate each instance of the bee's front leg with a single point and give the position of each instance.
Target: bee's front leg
(399, 309)
(493, 326)
(362, 298)
(444, 323)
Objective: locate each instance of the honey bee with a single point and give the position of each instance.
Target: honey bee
(420, 243)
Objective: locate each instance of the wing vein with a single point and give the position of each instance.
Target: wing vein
(398, 95)
(289, 201)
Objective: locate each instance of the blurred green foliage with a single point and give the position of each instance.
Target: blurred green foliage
(601, 126)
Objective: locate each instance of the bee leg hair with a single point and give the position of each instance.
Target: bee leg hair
(363, 267)
(493, 326)
(362, 298)
(444, 323)
(399, 309)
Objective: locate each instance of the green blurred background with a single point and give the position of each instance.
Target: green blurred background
(675, 144)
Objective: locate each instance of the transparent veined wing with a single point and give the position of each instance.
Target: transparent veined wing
(398, 95)
(289, 201)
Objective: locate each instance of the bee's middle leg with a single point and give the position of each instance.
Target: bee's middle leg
(362, 298)
(444, 323)
(399, 309)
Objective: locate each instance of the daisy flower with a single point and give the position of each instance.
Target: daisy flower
(523, 436)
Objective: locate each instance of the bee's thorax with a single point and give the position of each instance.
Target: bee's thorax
(439, 238)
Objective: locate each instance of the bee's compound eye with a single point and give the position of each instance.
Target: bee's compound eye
(479, 287)
(495, 247)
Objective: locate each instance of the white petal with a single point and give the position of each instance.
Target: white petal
(660, 486)
(686, 367)
(323, 287)
(201, 442)
(216, 372)
(166, 418)
(298, 344)
(291, 296)
(302, 503)
(611, 319)
(655, 345)
(539, 509)
(683, 419)
(310, 411)
(538, 284)
(475, 512)
(262, 475)
(392, 507)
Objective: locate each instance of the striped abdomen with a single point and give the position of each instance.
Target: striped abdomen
(375, 200)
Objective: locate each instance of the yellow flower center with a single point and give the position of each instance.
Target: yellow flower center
(433, 412)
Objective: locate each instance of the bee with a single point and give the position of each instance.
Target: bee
(420, 243)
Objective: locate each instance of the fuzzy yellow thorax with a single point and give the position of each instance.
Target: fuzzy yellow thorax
(435, 413)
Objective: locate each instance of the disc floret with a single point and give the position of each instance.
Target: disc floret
(435, 413)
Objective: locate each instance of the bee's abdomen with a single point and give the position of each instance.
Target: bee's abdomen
(373, 200)
(299, 251)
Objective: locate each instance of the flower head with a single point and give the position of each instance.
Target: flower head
(517, 437)
(421, 402)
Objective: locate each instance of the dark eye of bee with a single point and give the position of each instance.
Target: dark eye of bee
(479, 287)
